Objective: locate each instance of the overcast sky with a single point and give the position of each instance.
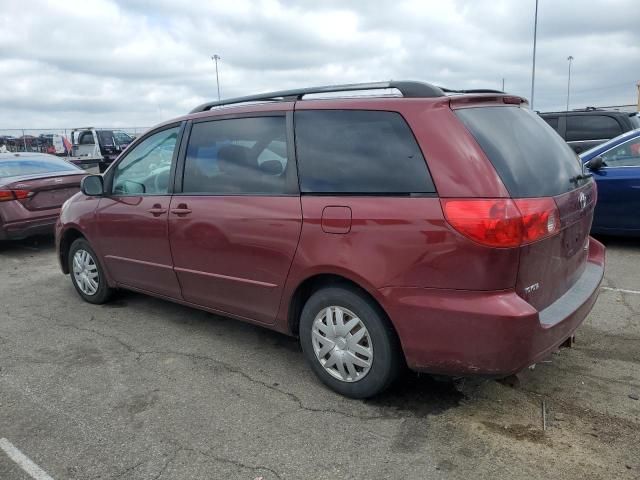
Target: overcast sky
(139, 62)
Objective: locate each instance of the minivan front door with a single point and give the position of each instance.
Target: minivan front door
(132, 220)
(235, 226)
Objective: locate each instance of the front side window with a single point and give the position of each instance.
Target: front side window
(358, 152)
(591, 127)
(238, 156)
(626, 154)
(146, 168)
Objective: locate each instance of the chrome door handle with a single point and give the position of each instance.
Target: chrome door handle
(181, 209)
(157, 210)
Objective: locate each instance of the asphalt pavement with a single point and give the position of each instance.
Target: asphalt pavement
(146, 389)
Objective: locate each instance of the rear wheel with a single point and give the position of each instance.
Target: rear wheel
(348, 342)
(87, 274)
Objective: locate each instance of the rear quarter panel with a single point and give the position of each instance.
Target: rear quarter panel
(395, 241)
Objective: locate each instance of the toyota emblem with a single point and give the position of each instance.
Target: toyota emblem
(583, 200)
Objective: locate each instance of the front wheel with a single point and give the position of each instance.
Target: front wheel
(87, 274)
(349, 342)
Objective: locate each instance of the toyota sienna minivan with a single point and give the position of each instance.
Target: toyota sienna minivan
(443, 230)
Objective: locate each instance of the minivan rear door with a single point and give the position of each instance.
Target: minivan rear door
(534, 162)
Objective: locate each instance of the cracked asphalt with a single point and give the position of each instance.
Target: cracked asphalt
(146, 389)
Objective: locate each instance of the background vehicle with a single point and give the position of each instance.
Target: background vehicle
(33, 186)
(616, 168)
(584, 129)
(92, 146)
(446, 229)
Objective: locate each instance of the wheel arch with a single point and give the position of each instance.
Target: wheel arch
(313, 283)
(68, 237)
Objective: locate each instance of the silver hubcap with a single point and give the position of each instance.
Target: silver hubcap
(85, 271)
(342, 344)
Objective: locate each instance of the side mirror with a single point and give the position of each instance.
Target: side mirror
(92, 185)
(596, 163)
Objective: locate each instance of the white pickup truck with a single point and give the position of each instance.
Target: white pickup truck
(92, 147)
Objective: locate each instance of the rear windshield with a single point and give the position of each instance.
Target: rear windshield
(17, 168)
(530, 157)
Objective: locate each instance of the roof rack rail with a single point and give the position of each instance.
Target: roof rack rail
(409, 89)
(474, 90)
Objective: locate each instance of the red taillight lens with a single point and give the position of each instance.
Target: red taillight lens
(502, 222)
(6, 195)
(540, 218)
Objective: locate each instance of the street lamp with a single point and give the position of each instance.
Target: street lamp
(535, 37)
(570, 58)
(215, 58)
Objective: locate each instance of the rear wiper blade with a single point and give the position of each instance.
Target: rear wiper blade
(582, 176)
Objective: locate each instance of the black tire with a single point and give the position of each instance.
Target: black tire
(387, 354)
(103, 292)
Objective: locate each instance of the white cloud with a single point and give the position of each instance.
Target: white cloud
(139, 62)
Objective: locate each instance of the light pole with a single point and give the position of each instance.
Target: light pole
(533, 68)
(215, 58)
(570, 58)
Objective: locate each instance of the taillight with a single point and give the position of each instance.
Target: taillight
(502, 222)
(6, 195)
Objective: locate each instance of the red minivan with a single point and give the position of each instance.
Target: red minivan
(445, 230)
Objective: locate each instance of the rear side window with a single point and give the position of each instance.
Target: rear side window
(531, 159)
(86, 138)
(238, 156)
(592, 127)
(354, 151)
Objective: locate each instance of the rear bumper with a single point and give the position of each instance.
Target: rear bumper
(22, 229)
(455, 332)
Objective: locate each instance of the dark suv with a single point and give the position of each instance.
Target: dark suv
(445, 231)
(584, 129)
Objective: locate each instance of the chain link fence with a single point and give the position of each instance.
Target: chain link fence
(42, 139)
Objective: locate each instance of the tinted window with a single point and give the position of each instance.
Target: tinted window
(634, 118)
(552, 121)
(86, 138)
(106, 137)
(531, 159)
(350, 151)
(146, 168)
(626, 154)
(238, 156)
(32, 166)
(591, 127)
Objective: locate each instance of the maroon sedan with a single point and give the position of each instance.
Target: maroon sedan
(448, 231)
(33, 187)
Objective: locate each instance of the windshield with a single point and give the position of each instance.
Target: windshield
(122, 138)
(635, 120)
(608, 144)
(33, 166)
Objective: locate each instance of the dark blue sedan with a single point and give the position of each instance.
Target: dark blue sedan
(615, 166)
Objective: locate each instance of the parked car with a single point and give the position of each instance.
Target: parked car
(33, 186)
(616, 168)
(584, 129)
(448, 230)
